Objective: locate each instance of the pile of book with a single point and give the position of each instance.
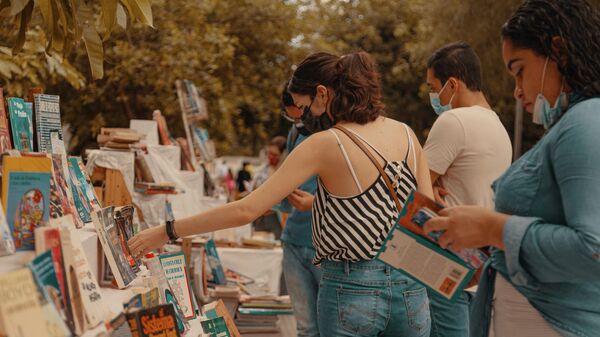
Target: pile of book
(257, 316)
(119, 138)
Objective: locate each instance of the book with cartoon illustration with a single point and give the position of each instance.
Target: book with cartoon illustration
(176, 272)
(28, 206)
(409, 248)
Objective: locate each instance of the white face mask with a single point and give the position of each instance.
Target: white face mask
(543, 113)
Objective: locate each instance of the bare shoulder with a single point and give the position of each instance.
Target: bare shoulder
(318, 142)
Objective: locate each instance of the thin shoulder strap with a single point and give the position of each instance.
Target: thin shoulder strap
(371, 146)
(411, 148)
(368, 153)
(347, 161)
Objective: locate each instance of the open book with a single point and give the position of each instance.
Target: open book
(410, 249)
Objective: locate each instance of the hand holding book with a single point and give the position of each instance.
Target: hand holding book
(468, 227)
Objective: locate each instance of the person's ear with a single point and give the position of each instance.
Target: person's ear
(559, 50)
(322, 92)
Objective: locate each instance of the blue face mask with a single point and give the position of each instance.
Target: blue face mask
(543, 113)
(434, 98)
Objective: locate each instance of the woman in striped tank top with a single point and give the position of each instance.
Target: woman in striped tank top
(353, 209)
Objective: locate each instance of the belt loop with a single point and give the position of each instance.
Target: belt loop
(347, 268)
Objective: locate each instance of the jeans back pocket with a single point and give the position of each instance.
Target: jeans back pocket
(417, 309)
(357, 310)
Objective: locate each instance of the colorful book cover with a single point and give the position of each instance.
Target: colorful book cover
(81, 204)
(85, 183)
(28, 206)
(416, 253)
(158, 321)
(48, 239)
(7, 245)
(51, 299)
(4, 129)
(21, 164)
(176, 273)
(113, 246)
(61, 162)
(20, 121)
(146, 300)
(47, 120)
(217, 309)
(215, 327)
(20, 310)
(218, 275)
(165, 292)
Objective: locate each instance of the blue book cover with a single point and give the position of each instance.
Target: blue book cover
(28, 206)
(215, 263)
(83, 207)
(20, 114)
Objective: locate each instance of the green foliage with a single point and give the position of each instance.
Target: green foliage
(67, 22)
(238, 53)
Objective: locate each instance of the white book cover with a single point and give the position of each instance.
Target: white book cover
(176, 273)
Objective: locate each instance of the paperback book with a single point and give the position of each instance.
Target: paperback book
(7, 245)
(4, 130)
(176, 272)
(47, 120)
(19, 113)
(159, 321)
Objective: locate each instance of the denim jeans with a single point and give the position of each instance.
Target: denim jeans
(449, 319)
(302, 282)
(369, 298)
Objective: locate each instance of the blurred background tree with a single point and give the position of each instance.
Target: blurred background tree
(240, 52)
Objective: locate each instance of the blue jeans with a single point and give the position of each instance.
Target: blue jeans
(302, 282)
(449, 319)
(369, 298)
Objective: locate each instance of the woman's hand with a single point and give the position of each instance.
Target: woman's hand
(147, 240)
(468, 227)
(301, 200)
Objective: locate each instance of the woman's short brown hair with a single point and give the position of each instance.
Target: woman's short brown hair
(353, 78)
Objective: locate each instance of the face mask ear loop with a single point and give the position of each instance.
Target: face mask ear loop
(544, 74)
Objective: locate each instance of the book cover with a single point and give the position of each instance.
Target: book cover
(48, 239)
(7, 245)
(19, 113)
(4, 129)
(166, 294)
(146, 300)
(163, 129)
(50, 297)
(47, 120)
(127, 229)
(215, 327)
(28, 206)
(62, 202)
(114, 247)
(218, 275)
(84, 210)
(21, 164)
(20, 311)
(417, 253)
(85, 182)
(176, 272)
(159, 321)
(87, 304)
(218, 309)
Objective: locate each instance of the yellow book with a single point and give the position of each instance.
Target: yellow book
(28, 163)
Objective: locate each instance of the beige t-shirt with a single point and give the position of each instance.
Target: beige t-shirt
(469, 148)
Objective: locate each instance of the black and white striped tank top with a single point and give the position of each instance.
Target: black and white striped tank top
(354, 228)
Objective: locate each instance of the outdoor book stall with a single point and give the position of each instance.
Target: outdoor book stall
(64, 228)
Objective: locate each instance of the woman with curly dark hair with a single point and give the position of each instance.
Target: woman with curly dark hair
(355, 206)
(544, 275)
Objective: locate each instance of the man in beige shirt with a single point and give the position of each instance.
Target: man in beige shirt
(467, 149)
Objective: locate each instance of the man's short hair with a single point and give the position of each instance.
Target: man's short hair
(459, 60)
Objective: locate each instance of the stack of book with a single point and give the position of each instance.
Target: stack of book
(258, 316)
(119, 138)
(155, 188)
